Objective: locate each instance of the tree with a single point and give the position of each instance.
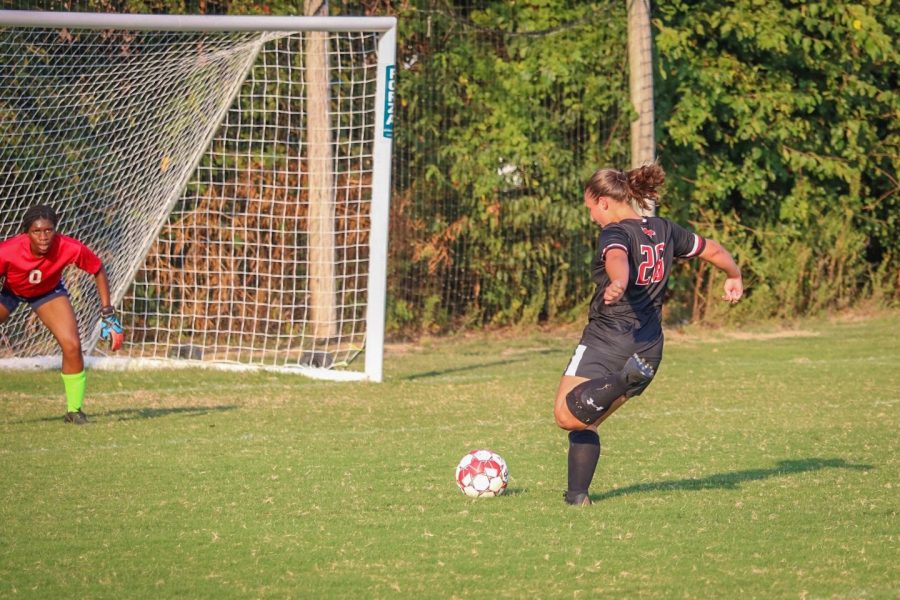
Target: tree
(778, 123)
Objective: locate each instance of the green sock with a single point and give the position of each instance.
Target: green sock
(74, 383)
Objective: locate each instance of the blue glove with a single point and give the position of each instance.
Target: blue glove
(111, 329)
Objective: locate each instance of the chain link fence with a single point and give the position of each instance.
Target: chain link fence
(503, 114)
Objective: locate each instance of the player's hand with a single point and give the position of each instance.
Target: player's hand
(613, 292)
(111, 329)
(734, 289)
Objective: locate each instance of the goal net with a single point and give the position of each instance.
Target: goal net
(232, 173)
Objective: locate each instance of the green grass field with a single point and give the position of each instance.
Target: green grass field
(759, 464)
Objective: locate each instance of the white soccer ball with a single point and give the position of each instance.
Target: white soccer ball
(482, 473)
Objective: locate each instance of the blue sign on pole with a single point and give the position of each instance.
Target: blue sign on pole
(389, 101)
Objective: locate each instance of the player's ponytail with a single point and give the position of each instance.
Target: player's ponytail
(637, 185)
(644, 183)
(39, 211)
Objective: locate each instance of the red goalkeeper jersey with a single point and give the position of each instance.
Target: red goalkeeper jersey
(30, 276)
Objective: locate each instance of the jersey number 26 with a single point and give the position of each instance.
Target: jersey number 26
(652, 267)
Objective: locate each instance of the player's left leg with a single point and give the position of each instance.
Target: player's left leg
(590, 390)
(58, 316)
(584, 444)
(584, 454)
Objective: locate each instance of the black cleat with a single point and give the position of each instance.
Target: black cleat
(637, 370)
(77, 418)
(580, 499)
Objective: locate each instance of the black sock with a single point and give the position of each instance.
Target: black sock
(584, 452)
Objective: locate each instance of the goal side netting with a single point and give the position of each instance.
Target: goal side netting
(232, 173)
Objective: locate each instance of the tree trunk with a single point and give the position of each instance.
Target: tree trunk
(640, 67)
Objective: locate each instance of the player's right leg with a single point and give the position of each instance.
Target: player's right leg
(58, 316)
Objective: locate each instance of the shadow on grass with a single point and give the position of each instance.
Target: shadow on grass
(130, 414)
(482, 365)
(509, 492)
(731, 481)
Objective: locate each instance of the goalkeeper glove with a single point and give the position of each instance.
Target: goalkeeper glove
(111, 328)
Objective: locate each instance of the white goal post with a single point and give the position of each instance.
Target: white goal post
(232, 173)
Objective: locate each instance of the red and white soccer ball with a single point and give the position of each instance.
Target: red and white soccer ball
(482, 473)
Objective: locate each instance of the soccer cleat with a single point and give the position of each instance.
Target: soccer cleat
(77, 418)
(637, 370)
(580, 499)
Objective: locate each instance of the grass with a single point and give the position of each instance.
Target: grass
(759, 464)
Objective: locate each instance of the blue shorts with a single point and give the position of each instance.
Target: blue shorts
(11, 301)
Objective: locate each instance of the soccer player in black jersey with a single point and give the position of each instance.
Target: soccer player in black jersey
(621, 346)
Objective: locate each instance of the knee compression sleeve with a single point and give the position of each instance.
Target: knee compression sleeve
(589, 400)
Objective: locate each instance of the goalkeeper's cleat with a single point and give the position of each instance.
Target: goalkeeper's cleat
(579, 499)
(637, 370)
(111, 329)
(76, 418)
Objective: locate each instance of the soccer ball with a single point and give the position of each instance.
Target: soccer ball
(482, 473)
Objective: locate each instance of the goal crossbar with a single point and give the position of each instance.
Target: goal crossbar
(198, 23)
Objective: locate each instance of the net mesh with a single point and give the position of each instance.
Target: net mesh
(191, 163)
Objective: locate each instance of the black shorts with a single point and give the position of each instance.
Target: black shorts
(592, 362)
(11, 301)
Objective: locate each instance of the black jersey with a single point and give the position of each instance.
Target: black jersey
(652, 243)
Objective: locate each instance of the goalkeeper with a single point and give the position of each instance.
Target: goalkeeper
(621, 346)
(32, 264)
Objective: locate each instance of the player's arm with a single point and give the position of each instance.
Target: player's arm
(616, 260)
(102, 281)
(715, 254)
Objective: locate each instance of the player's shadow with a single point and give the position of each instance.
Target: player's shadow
(732, 481)
(130, 414)
(481, 365)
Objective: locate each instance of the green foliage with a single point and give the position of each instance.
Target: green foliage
(786, 114)
(777, 125)
(508, 110)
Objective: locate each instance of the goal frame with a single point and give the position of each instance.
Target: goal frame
(386, 27)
